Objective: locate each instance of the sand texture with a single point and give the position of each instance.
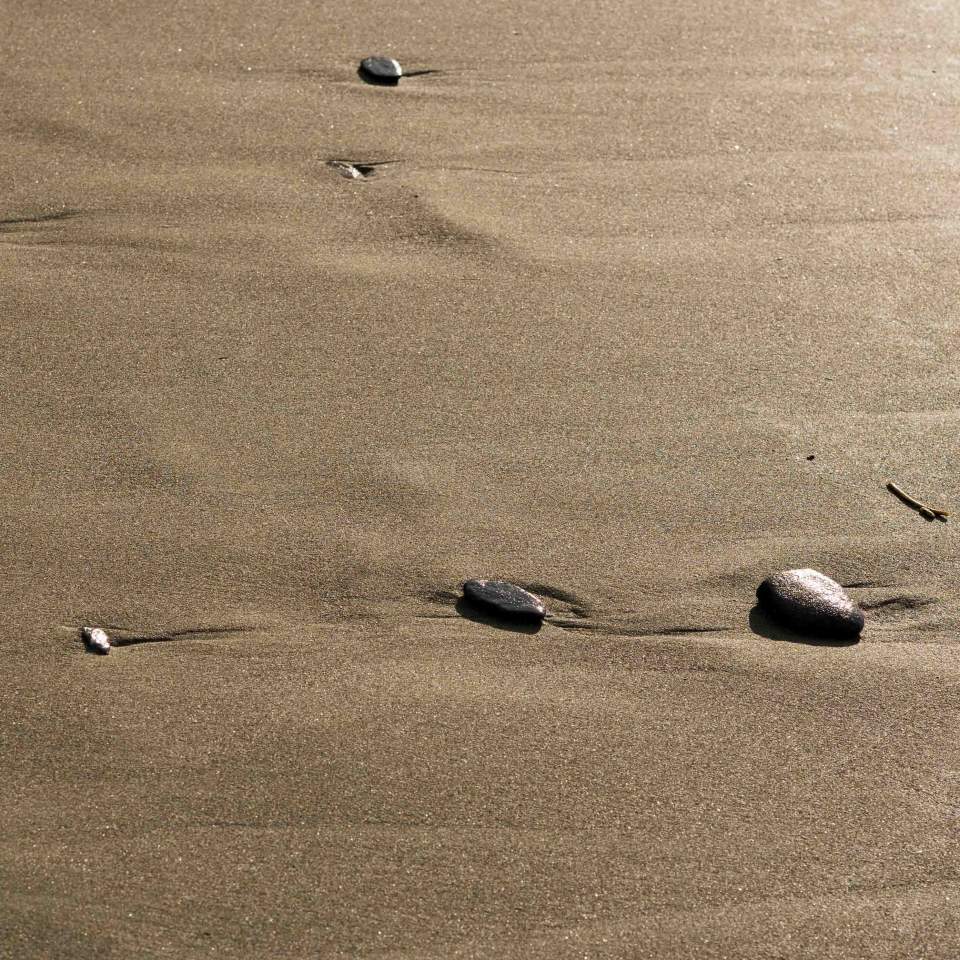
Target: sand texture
(629, 266)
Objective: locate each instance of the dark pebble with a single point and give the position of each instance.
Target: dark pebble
(809, 602)
(507, 600)
(381, 69)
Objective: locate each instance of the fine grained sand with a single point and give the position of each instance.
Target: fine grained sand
(633, 265)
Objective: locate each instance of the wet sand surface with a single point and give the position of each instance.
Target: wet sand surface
(626, 272)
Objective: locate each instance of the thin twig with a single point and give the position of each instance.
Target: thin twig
(928, 513)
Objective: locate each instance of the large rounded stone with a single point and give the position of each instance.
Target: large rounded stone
(505, 600)
(381, 70)
(808, 602)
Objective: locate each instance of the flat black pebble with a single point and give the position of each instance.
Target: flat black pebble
(809, 602)
(382, 69)
(505, 599)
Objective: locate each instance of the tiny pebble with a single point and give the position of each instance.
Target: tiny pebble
(382, 69)
(96, 639)
(505, 599)
(809, 602)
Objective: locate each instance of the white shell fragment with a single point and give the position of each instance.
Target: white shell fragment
(345, 169)
(96, 640)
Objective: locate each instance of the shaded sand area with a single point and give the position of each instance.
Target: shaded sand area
(631, 266)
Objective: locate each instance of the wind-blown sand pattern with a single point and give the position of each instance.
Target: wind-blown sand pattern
(630, 265)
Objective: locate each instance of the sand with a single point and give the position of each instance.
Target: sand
(632, 266)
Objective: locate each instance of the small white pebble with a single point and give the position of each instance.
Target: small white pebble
(96, 639)
(345, 169)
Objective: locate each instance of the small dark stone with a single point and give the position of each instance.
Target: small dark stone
(808, 602)
(381, 70)
(505, 599)
(812, 456)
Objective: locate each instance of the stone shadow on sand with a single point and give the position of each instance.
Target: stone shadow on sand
(471, 611)
(376, 81)
(124, 638)
(763, 626)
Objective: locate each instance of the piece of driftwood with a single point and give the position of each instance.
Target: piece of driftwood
(925, 511)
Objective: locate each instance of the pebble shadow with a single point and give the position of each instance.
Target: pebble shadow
(470, 611)
(124, 638)
(391, 81)
(763, 626)
(377, 81)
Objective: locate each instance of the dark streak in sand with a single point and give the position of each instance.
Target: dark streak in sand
(901, 602)
(130, 639)
(39, 218)
(440, 596)
(616, 630)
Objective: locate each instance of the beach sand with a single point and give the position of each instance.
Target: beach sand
(630, 267)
